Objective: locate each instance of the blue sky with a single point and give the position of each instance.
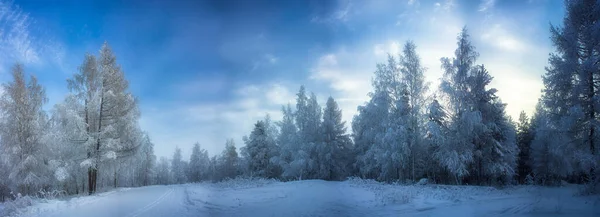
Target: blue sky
(206, 70)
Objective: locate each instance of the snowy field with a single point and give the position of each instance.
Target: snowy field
(322, 198)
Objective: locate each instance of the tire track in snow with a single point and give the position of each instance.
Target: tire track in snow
(151, 205)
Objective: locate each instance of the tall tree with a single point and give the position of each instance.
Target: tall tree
(458, 150)
(333, 152)
(288, 142)
(195, 169)
(571, 90)
(109, 111)
(308, 120)
(229, 160)
(435, 136)
(524, 139)
(22, 127)
(259, 151)
(415, 86)
(178, 167)
(372, 121)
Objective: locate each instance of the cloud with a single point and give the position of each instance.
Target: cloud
(21, 40)
(271, 58)
(210, 123)
(341, 13)
(502, 39)
(486, 5)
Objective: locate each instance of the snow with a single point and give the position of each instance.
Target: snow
(354, 197)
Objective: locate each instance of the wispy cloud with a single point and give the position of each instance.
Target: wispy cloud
(486, 5)
(21, 41)
(341, 13)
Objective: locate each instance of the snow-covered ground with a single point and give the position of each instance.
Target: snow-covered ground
(322, 198)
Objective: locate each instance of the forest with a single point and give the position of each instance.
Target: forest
(407, 132)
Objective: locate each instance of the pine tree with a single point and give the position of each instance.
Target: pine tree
(435, 136)
(457, 152)
(259, 152)
(308, 120)
(571, 92)
(288, 142)
(229, 167)
(524, 139)
(196, 168)
(333, 152)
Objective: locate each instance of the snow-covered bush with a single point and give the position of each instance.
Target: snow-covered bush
(244, 182)
(17, 203)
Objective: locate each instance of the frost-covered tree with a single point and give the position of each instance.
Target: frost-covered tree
(65, 128)
(549, 150)
(178, 167)
(570, 96)
(495, 150)
(195, 169)
(413, 80)
(457, 152)
(146, 162)
(481, 140)
(435, 136)
(198, 166)
(259, 150)
(288, 142)
(372, 121)
(22, 128)
(229, 160)
(308, 120)
(163, 173)
(109, 111)
(333, 152)
(524, 139)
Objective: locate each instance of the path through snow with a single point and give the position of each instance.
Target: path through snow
(322, 198)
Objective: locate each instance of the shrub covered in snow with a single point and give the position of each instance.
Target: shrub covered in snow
(244, 182)
(18, 203)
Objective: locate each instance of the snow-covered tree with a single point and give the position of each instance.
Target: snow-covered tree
(372, 121)
(308, 120)
(413, 81)
(259, 151)
(287, 141)
(524, 139)
(229, 160)
(333, 152)
(195, 169)
(481, 141)
(178, 167)
(109, 112)
(163, 173)
(435, 136)
(495, 140)
(457, 153)
(198, 166)
(570, 96)
(22, 128)
(146, 162)
(65, 129)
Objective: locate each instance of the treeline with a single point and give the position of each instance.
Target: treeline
(459, 135)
